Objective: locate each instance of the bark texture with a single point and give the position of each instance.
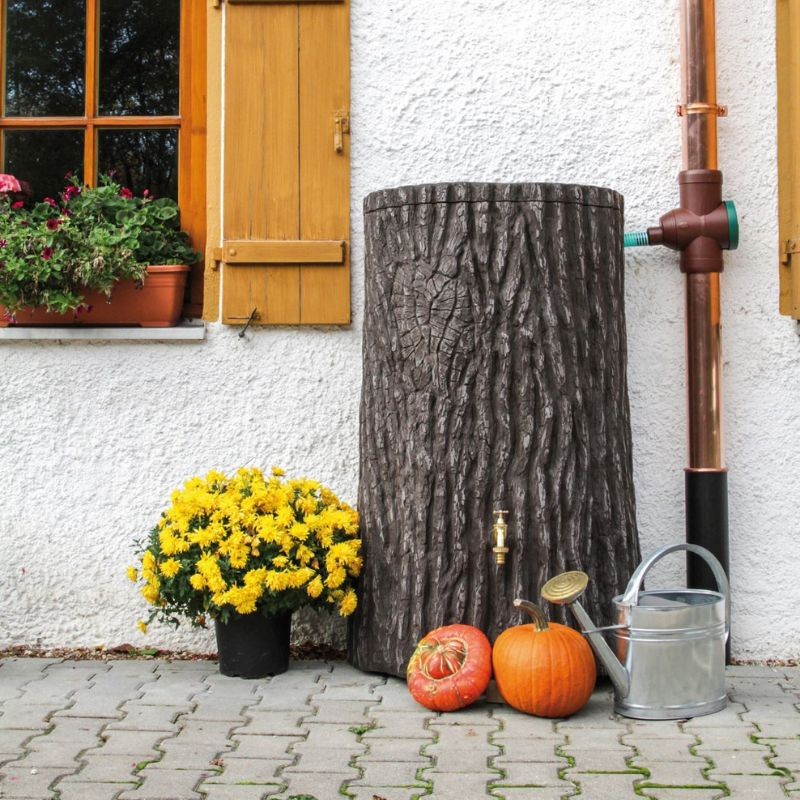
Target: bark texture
(494, 377)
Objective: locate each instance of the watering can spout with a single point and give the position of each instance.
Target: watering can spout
(564, 590)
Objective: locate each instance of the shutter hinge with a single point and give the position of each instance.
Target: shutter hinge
(341, 126)
(790, 248)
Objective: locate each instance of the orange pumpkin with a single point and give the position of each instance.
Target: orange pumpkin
(450, 668)
(543, 669)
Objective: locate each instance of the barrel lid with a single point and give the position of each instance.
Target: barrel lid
(435, 193)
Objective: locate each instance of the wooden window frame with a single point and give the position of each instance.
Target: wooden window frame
(190, 123)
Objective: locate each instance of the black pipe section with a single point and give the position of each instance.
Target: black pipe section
(707, 525)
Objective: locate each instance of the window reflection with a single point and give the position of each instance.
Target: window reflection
(45, 55)
(139, 57)
(141, 159)
(43, 158)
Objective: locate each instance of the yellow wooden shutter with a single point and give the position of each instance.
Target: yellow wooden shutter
(286, 194)
(788, 59)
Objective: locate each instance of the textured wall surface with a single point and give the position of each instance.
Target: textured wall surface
(95, 436)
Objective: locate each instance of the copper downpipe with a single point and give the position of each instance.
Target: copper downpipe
(703, 339)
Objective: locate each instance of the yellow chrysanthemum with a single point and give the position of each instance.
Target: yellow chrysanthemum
(278, 472)
(170, 568)
(336, 578)
(132, 574)
(314, 589)
(141, 625)
(198, 582)
(348, 603)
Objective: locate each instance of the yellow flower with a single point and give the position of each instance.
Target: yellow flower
(170, 568)
(198, 582)
(336, 578)
(278, 472)
(150, 592)
(141, 625)
(280, 562)
(314, 589)
(348, 603)
(132, 574)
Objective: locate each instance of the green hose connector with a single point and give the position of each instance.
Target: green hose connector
(733, 225)
(636, 240)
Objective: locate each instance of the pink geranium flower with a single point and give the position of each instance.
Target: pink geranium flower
(8, 183)
(18, 205)
(47, 253)
(126, 193)
(53, 224)
(52, 203)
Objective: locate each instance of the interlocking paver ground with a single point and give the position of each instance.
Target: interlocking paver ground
(158, 730)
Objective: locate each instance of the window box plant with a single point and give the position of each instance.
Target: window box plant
(246, 551)
(95, 256)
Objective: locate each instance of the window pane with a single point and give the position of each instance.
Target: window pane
(139, 54)
(141, 159)
(43, 158)
(45, 53)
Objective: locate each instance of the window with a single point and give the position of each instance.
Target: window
(108, 86)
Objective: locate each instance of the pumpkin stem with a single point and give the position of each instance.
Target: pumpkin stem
(539, 621)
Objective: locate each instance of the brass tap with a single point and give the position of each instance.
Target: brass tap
(500, 535)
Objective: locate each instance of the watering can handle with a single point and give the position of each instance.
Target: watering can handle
(631, 596)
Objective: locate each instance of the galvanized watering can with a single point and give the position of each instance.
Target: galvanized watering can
(669, 655)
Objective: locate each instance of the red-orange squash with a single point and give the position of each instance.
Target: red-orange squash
(450, 668)
(543, 669)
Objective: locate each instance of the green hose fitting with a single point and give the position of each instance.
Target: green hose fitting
(636, 239)
(733, 224)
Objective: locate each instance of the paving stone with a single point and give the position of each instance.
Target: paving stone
(448, 786)
(730, 739)
(342, 674)
(128, 743)
(656, 729)
(164, 784)
(353, 712)
(105, 769)
(193, 731)
(17, 715)
(251, 770)
(662, 749)
(220, 712)
(20, 782)
(387, 775)
(533, 793)
(664, 793)
(778, 729)
(278, 723)
(148, 718)
(395, 750)
(754, 787)
(400, 725)
(285, 700)
(596, 739)
(83, 733)
(312, 759)
(262, 746)
(737, 762)
(395, 793)
(59, 754)
(358, 694)
(92, 791)
(214, 791)
(190, 756)
(672, 774)
(535, 773)
(317, 784)
(513, 724)
(606, 786)
(449, 759)
(477, 715)
(11, 740)
(466, 737)
(326, 736)
(527, 749)
(200, 665)
(595, 760)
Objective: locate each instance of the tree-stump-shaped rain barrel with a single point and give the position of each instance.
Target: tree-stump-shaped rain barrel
(494, 378)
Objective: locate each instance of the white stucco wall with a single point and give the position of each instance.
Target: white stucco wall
(95, 436)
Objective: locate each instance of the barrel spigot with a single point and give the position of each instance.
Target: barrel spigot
(500, 537)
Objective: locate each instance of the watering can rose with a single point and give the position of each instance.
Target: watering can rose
(250, 543)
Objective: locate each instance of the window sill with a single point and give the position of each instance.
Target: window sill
(186, 331)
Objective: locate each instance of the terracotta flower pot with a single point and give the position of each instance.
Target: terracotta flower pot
(155, 304)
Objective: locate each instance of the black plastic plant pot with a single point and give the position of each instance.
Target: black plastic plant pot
(254, 645)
